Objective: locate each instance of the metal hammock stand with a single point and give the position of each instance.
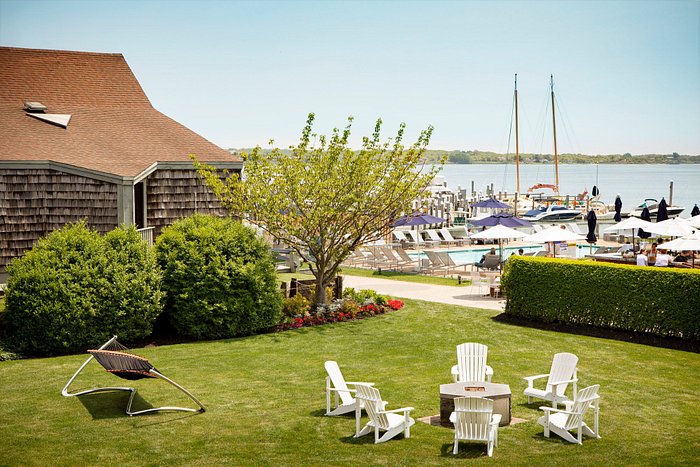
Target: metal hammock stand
(114, 358)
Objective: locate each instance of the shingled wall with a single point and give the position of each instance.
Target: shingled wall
(35, 202)
(173, 194)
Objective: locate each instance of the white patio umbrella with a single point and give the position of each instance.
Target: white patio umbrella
(553, 234)
(631, 223)
(689, 243)
(694, 221)
(498, 232)
(675, 227)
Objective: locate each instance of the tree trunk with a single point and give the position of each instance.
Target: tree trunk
(320, 293)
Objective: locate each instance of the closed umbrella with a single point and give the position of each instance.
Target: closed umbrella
(595, 191)
(647, 217)
(592, 220)
(502, 219)
(695, 211)
(618, 209)
(662, 213)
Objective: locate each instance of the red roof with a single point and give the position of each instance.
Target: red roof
(113, 128)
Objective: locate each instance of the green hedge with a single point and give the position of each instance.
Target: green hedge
(219, 277)
(661, 301)
(75, 289)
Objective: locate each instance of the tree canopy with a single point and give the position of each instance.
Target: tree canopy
(324, 199)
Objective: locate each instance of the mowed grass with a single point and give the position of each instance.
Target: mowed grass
(265, 399)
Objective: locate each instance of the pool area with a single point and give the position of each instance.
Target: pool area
(474, 254)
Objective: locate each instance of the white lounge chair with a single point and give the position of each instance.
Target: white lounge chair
(433, 236)
(471, 363)
(396, 262)
(380, 419)
(451, 265)
(447, 235)
(562, 421)
(336, 384)
(400, 236)
(474, 420)
(562, 373)
(418, 239)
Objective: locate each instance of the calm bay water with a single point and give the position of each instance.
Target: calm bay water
(632, 182)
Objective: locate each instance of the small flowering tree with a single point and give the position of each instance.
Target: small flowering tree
(325, 199)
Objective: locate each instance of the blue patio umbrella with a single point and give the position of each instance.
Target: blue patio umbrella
(506, 220)
(418, 218)
(618, 209)
(592, 220)
(646, 217)
(491, 203)
(662, 213)
(695, 211)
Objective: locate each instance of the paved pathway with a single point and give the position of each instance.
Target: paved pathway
(466, 296)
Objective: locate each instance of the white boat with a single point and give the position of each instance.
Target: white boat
(653, 206)
(553, 213)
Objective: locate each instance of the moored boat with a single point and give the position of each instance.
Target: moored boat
(551, 214)
(653, 205)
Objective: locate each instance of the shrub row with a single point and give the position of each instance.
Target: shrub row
(76, 288)
(661, 301)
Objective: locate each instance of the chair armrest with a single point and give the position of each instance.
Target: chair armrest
(531, 379)
(402, 409)
(552, 409)
(342, 390)
(557, 383)
(358, 382)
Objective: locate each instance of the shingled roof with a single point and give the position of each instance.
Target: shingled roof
(113, 129)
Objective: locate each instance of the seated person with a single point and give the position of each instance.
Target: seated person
(480, 263)
(662, 258)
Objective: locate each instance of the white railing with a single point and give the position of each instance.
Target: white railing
(147, 235)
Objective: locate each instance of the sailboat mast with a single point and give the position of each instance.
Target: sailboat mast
(554, 127)
(517, 147)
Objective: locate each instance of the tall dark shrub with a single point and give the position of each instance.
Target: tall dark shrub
(219, 277)
(75, 289)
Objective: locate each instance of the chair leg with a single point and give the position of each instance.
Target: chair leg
(456, 447)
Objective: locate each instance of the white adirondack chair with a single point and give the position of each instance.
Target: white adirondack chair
(380, 419)
(336, 384)
(562, 373)
(474, 420)
(471, 363)
(562, 422)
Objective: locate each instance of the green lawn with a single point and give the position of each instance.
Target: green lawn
(265, 399)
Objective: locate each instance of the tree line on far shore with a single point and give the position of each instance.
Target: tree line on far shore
(486, 157)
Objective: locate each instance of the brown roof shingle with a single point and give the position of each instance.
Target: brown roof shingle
(113, 129)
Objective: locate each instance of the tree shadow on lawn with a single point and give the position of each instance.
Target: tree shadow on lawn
(673, 343)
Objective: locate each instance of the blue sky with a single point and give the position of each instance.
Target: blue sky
(627, 73)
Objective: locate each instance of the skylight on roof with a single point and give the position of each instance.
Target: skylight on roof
(34, 107)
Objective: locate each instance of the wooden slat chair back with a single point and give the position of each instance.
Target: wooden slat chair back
(116, 359)
(474, 421)
(380, 419)
(562, 372)
(562, 422)
(471, 363)
(337, 387)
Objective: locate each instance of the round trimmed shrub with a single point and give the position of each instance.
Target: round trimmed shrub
(219, 277)
(75, 289)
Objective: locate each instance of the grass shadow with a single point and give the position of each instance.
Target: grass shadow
(466, 450)
(673, 343)
(105, 405)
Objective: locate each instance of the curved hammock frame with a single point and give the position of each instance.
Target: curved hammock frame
(114, 358)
